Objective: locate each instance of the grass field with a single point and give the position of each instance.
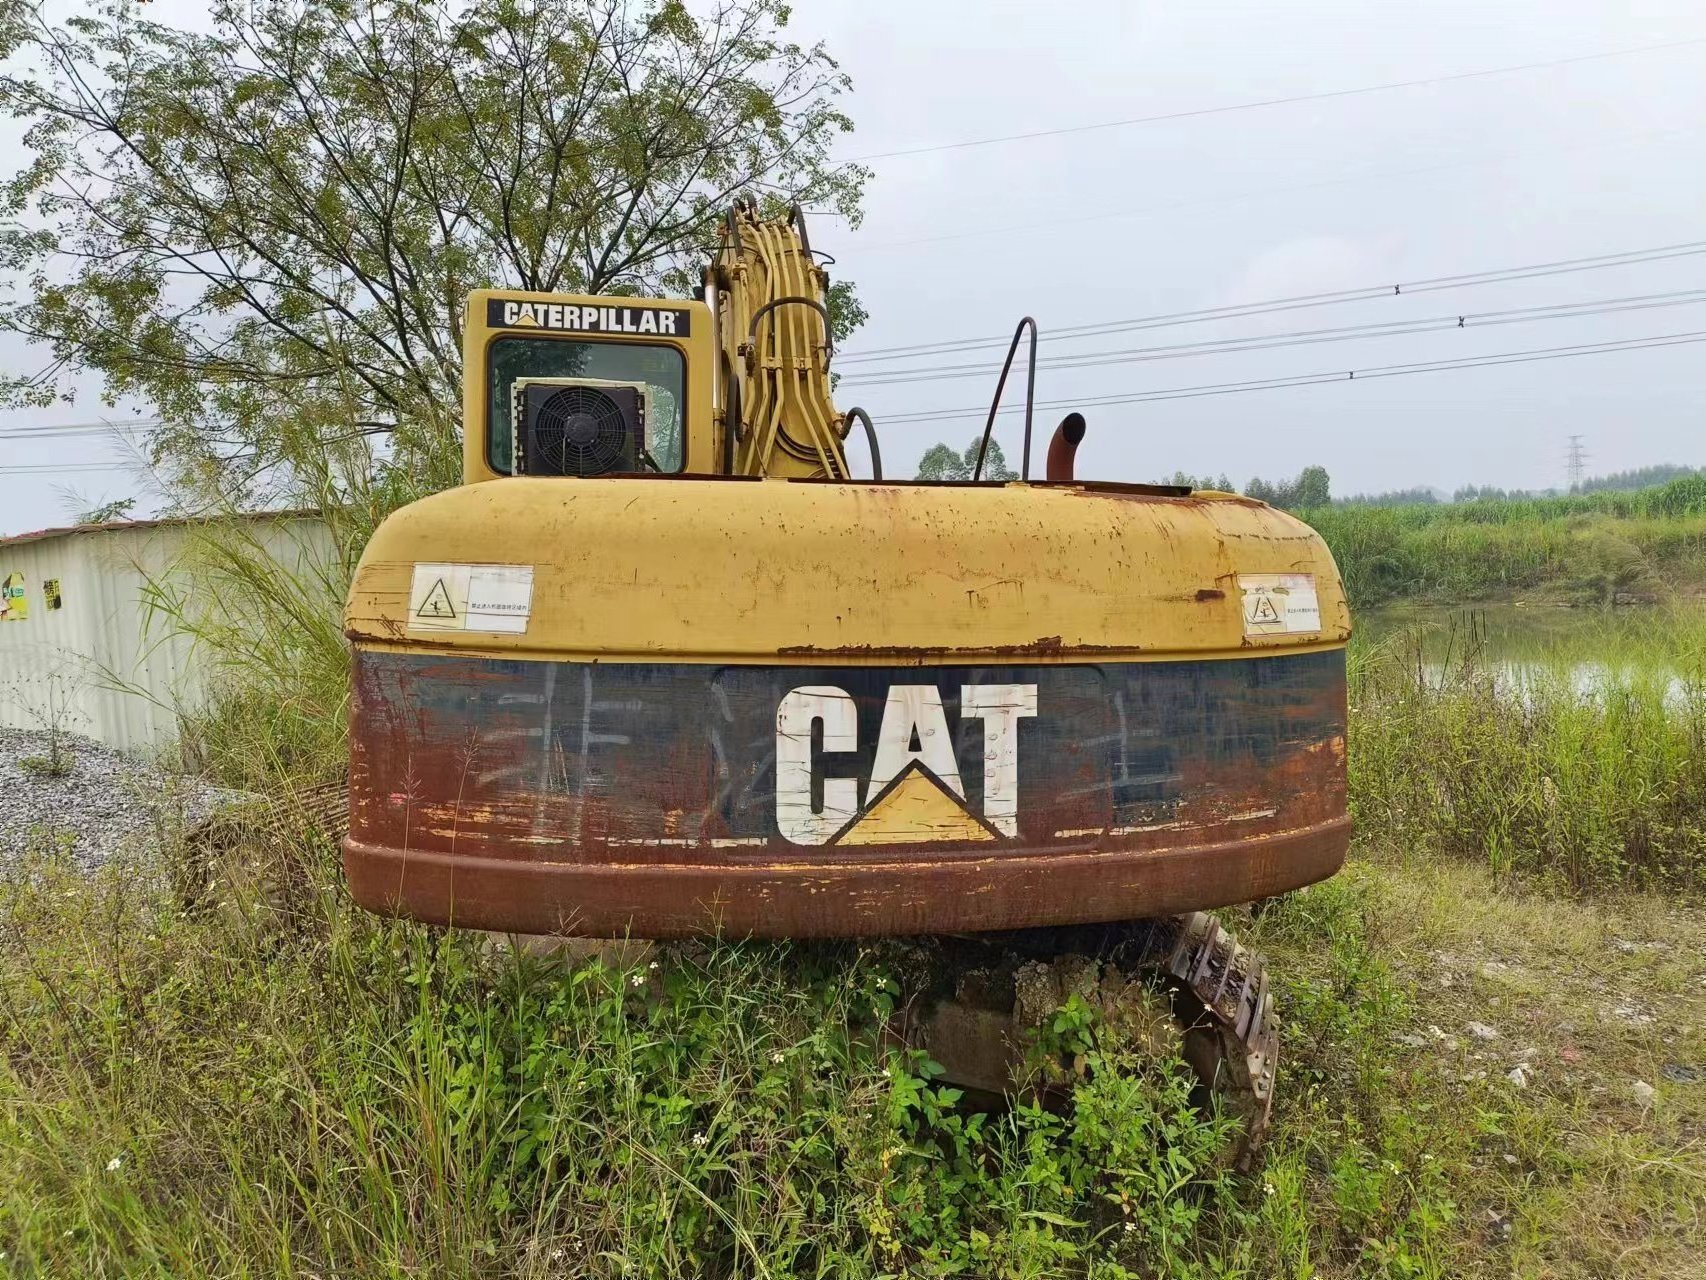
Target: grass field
(1584, 549)
(257, 1091)
(1493, 1055)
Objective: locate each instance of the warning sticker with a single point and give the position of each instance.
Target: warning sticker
(1279, 603)
(471, 597)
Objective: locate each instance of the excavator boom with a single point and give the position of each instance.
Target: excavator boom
(773, 322)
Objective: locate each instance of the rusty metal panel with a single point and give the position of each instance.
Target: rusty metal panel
(670, 798)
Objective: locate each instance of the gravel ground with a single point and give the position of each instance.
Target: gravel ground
(108, 803)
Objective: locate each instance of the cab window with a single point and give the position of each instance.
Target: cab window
(660, 367)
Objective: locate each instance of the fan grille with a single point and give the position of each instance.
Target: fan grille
(579, 431)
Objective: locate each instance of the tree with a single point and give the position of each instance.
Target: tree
(106, 512)
(1219, 483)
(940, 462)
(1314, 489)
(1311, 488)
(271, 228)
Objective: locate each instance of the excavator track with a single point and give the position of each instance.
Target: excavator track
(1233, 1044)
(1178, 984)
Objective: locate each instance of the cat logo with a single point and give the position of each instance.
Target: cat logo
(913, 792)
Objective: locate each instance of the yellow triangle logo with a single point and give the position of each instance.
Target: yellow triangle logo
(913, 809)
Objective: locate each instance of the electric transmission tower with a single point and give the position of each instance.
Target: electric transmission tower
(1576, 461)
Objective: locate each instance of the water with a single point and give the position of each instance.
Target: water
(1591, 648)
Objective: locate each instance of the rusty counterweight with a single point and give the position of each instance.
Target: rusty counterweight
(676, 798)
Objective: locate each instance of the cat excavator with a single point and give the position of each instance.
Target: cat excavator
(663, 666)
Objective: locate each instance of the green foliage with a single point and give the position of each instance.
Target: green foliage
(1586, 547)
(277, 217)
(1310, 488)
(1618, 481)
(300, 1088)
(1391, 498)
(1638, 478)
(1219, 483)
(1535, 770)
(48, 766)
(1126, 1172)
(119, 509)
(940, 462)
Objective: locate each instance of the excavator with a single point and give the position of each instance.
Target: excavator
(663, 667)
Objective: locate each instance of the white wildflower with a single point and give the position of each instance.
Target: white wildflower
(115, 1164)
(700, 1139)
(778, 1056)
(639, 980)
(652, 965)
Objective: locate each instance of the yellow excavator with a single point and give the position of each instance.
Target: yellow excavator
(662, 666)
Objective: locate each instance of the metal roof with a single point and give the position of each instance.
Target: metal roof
(108, 526)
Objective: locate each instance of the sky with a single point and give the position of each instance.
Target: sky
(1464, 173)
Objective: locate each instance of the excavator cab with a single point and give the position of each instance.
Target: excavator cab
(575, 386)
(734, 384)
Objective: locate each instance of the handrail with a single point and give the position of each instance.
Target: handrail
(870, 437)
(1030, 399)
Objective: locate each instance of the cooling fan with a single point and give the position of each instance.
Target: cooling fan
(579, 427)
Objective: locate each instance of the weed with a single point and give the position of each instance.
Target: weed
(48, 766)
(1536, 771)
(1586, 548)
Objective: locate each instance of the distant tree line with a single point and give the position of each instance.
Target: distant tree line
(1219, 483)
(1391, 498)
(1639, 478)
(1617, 482)
(1311, 487)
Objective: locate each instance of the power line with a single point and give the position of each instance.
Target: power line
(1304, 337)
(1258, 193)
(50, 468)
(1277, 102)
(53, 429)
(1296, 302)
(978, 412)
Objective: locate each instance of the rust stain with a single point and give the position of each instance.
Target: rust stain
(1042, 646)
(1210, 593)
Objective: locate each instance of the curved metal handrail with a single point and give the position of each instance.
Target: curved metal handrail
(870, 438)
(1030, 400)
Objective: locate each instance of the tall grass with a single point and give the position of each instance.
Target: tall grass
(1591, 776)
(299, 1089)
(1586, 547)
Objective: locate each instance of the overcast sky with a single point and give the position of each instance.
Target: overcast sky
(1598, 156)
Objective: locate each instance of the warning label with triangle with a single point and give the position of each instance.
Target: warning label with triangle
(437, 603)
(471, 597)
(1279, 603)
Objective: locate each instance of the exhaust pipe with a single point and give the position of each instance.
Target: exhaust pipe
(1064, 446)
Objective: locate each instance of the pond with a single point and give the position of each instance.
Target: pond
(1590, 648)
